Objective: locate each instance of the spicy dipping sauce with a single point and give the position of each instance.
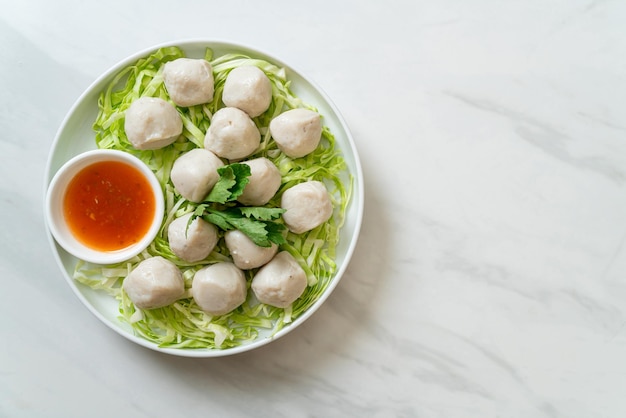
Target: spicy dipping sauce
(109, 205)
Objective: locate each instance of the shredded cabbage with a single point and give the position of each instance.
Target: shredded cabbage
(183, 324)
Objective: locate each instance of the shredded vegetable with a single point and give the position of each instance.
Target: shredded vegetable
(183, 324)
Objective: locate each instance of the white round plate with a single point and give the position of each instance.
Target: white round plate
(76, 136)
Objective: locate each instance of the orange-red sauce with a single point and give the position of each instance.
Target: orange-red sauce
(109, 206)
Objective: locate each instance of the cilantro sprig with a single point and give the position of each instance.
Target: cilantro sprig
(258, 223)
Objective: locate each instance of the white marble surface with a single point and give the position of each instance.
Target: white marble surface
(490, 278)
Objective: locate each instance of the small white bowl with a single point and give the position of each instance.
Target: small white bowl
(58, 224)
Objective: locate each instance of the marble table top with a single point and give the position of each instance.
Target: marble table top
(490, 275)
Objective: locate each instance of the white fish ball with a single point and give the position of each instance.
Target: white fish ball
(232, 134)
(249, 89)
(297, 132)
(307, 205)
(189, 81)
(263, 182)
(154, 283)
(245, 253)
(152, 123)
(219, 288)
(280, 282)
(191, 241)
(195, 173)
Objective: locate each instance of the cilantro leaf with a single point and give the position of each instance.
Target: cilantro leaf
(218, 219)
(232, 181)
(275, 233)
(258, 223)
(261, 213)
(262, 232)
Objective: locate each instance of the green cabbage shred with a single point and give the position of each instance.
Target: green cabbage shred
(183, 324)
